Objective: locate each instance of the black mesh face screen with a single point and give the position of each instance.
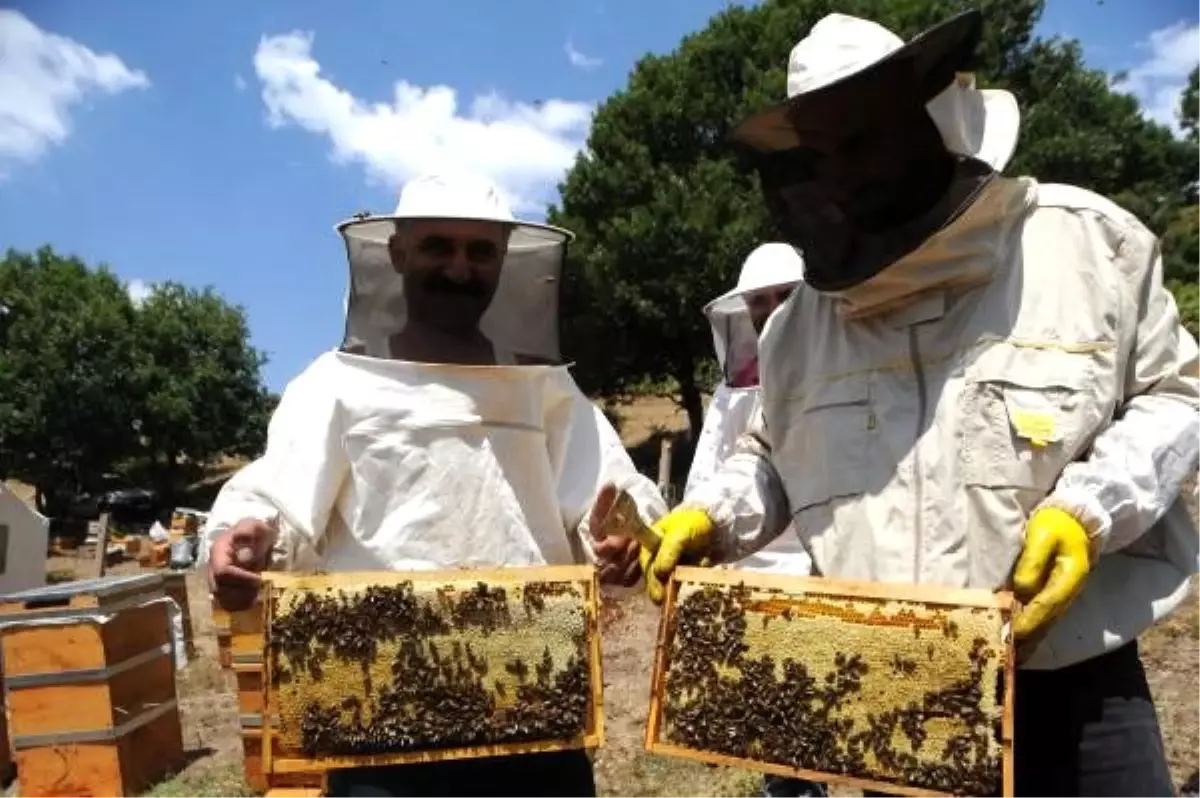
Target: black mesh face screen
(838, 254)
(807, 218)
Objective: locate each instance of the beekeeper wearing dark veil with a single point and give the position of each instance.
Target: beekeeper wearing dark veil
(444, 432)
(982, 382)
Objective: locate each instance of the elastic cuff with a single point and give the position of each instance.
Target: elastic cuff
(1087, 510)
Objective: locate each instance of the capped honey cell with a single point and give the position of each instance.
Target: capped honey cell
(835, 683)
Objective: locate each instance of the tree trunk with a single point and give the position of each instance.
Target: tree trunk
(692, 401)
(168, 484)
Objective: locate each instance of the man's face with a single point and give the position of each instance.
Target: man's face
(762, 304)
(451, 268)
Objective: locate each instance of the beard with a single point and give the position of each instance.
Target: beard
(449, 305)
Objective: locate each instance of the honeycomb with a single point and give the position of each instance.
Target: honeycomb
(891, 691)
(383, 669)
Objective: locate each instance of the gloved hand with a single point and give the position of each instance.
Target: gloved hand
(1051, 570)
(685, 535)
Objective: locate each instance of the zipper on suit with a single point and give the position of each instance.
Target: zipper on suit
(914, 348)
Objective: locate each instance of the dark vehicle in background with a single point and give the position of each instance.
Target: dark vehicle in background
(130, 507)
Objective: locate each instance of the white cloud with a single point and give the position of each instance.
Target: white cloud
(139, 291)
(525, 147)
(239, 83)
(1158, 80)
(579, 59)
(42, 76)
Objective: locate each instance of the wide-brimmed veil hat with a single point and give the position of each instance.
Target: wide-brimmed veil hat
(522, 318)
(840, 51)
(771, 265)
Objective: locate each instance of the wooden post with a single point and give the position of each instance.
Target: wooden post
(102, 546)
(664, 471)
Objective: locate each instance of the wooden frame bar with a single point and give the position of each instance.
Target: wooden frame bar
(281, 762)
(925, 594)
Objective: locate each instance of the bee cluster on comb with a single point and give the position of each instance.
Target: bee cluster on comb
(857, 683)
(369, 665)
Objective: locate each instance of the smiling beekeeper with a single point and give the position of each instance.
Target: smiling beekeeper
(981, 382)
(737, 318)
(428, 441)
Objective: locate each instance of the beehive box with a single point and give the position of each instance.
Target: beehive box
(223, 634)
(390, 668)
(896, 688)
(244, 629)
(90, 686)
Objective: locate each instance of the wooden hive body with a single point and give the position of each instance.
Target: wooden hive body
(248, 676)
(394, 668)
(895, 688)
(92, 704)
(222, 632)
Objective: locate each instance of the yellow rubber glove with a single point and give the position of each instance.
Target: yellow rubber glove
(1051, 570)
(683, 535)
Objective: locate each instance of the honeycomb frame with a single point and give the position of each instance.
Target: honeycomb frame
(700, 710)
(284, 750)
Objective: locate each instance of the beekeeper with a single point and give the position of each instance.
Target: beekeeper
(737, 318)
(430, 446)
(982, 381)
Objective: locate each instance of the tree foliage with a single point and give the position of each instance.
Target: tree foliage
(91, 384)
(665, 214)
(66, 373)
(198, 382)
(1189, 106)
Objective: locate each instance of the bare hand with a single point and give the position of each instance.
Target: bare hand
(237, 558)
(616, 556)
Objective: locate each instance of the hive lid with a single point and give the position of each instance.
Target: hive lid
(95, 593)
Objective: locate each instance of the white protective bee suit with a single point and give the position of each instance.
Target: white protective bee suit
(1025, 355)
(374, 463)
(731, 407)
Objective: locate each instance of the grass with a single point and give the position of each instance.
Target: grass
(225, 779)
(59, 575)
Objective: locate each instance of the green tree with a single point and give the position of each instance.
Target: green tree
(1077, 128)
(1189, 106)
(1187, 295)
(1181, 246)
(67, 383)
(199, 383)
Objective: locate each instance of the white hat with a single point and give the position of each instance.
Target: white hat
(768, 266)
(773, 265)
(452, 196)
(983, 124)
(455, 195)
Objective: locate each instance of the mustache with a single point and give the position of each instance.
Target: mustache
(438, 283)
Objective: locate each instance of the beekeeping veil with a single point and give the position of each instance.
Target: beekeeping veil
(773, 265)
(521, 319)
(834, 71)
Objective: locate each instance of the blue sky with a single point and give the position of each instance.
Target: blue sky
(216, 143)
